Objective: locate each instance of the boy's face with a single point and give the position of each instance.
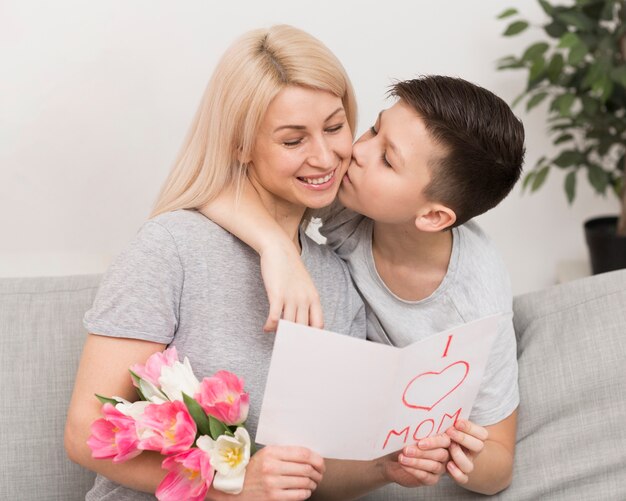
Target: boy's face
(390, 167)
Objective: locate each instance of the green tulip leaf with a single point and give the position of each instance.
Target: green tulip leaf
(198, 415)
(217, 428)
(107, 400)
(515, 28)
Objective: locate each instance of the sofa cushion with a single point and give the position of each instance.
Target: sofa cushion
(41, 338)
(571, 440)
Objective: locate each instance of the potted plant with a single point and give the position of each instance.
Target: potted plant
(579, 66)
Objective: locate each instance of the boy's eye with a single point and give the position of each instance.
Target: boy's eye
(384, 159)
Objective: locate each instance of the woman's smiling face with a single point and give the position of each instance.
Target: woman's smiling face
(302, 149)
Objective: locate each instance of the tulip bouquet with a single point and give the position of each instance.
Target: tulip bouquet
(197, 426)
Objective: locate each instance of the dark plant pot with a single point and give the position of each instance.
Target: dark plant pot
(606, 249)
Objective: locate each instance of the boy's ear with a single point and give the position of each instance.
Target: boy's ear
(435, 217)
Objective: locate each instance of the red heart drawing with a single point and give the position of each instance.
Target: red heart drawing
(452, 380)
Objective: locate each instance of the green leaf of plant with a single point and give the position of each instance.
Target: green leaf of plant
(577, 53)
(555, 67)
(621, 163)
(217, 427)
(555, 29)
(563, 138)
(590, 105)
(535, 50)
(563, 104)
(536, 69)
(570, 186)
(137, 379)
(198, 415)
(575, 19)
(619, 75)
(568, 158)
(528, 179)
(547, 8)
(515, 28)
(598, 178)
(107, 400)
(507, 13)
(607, 11)
(568, 40)
(603, 87)
(539, 179)
(509, 62)
(517, 100)
(535, 100)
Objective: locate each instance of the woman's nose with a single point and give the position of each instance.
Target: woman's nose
(322, 154)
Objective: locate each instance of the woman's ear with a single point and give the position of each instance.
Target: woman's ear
(434, 218)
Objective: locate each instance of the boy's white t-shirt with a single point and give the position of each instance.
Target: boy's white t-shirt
(476, 285)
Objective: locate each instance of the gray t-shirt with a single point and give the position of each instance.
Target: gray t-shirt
(186, 282)
(476, 285)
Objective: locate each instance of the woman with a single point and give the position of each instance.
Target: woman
(280, 110)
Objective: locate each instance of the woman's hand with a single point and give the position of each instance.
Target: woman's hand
(290, 289)
(468, 440)
(420, 464)
(278, 473)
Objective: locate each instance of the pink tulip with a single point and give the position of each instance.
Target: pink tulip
(167, 428)
(151, 370)
(222, 397)
(115, 436)
(190, 476)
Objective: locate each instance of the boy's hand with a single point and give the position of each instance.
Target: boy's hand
(420, 464)
(468, 440)
(290, 289)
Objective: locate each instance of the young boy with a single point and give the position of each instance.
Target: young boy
(445, 152)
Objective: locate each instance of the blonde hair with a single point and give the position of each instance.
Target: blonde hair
(249, 75)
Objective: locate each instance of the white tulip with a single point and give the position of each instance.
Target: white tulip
(177, 379)
(229, 456)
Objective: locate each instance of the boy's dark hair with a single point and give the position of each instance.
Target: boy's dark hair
(482, 138)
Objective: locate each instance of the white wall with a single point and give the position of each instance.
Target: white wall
(95, 98)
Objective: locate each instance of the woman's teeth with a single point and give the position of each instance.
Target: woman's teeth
(318, 180)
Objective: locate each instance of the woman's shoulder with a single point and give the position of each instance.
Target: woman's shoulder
(185, 226)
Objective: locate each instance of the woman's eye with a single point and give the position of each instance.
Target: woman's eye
(294, 142)
(334, 128)
(373, 130)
